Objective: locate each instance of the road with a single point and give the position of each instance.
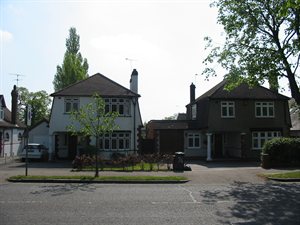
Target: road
(109, 204)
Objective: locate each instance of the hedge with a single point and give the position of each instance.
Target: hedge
(283, 151)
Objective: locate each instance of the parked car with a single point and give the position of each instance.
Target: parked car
(35, 151)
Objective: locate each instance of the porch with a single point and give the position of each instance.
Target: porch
(215, 146)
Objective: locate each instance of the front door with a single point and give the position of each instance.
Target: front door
(72, 147)
(218, 151)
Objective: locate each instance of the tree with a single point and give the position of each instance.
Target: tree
(262, 43)
(173, 117)
(39, 102)
(93, 120)
(74, 67)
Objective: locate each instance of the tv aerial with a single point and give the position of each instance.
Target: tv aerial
(130, 61)
(195, 77)
(17, 77)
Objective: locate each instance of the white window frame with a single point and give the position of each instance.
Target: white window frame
(261, 137)
(227, 105)
(73, 102)
(115, 137)
(193, 136)
(261, 106)
(120, 105)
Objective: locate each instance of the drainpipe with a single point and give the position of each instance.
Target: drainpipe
(208, 146)
(134, 101)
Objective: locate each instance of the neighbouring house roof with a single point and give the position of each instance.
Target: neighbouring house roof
(97, 83)
(243, 91)
(39, 123)
(6, 122)
(2, 101)
(181, 116)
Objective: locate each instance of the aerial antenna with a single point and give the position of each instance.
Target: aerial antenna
(18, 77)
(195, 77)
(130, 61)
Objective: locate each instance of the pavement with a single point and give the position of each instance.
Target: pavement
(202, 172)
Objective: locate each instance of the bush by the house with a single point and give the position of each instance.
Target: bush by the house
(282, 151)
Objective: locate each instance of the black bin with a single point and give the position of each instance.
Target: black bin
(178, 161)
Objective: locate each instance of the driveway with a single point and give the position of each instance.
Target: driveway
(225, 172)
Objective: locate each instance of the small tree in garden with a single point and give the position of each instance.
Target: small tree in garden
(92, 120)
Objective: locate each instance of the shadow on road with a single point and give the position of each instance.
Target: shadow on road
(271, 203)
(45, 165)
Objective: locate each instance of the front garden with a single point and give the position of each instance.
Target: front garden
(119, 162)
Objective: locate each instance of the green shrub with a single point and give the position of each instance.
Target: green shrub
(120, 161)
(283, 151)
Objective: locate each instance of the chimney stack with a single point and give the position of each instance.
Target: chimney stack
(134, 81)
(192, 93)
(14, 105)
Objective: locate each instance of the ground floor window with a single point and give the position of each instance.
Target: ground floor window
(115, 141)
(193, 140)
(260, 137)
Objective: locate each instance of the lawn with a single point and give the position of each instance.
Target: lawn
(101, 178)
(287, 175)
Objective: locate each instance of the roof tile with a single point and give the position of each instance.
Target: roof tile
(97, 83)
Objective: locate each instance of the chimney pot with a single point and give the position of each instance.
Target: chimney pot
(192, 93)
(14, 105)
(134, 81)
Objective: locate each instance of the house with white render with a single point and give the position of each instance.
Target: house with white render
(11, 129)
(62, 144)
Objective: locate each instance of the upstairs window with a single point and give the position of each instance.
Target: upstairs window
(71, 104)
(227, 110)
(194, 112)
(120, 105)
(1, 113)
(264, 109)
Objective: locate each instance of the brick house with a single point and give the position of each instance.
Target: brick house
(232, 124)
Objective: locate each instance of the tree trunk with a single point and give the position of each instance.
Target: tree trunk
(97, 167)
(295, 92)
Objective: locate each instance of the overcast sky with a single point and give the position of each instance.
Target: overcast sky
(162, 39)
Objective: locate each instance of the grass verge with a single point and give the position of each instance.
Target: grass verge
(101, 178)
(286, 175)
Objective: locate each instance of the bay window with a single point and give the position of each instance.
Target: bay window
(260, 137)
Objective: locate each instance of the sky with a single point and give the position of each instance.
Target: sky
(162, 39)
